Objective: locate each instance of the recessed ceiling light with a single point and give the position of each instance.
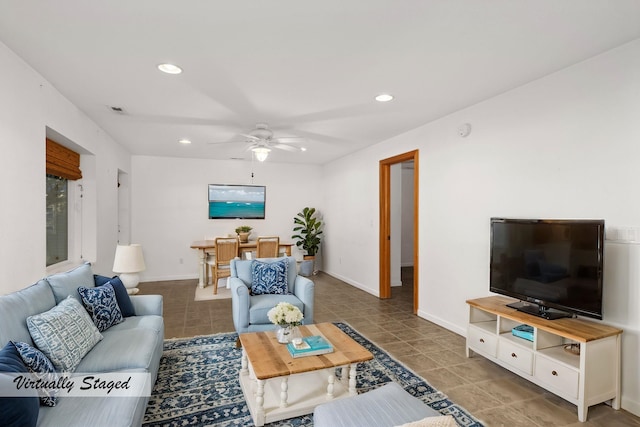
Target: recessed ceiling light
(169, 68)
(303, 148)
(384, 97)
(184, 141)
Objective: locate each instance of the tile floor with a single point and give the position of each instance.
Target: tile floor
(492, 394)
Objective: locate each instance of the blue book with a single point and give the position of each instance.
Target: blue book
(310, 346)
(523, 331)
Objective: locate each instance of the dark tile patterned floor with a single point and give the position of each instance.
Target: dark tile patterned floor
(492, 394)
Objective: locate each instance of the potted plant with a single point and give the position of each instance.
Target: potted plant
(243, 233)
(307, 229)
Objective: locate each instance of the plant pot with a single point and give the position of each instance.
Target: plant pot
(244, 237)
(307, 265)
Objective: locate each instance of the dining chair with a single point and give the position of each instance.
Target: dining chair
(267, 246)
(226, 250)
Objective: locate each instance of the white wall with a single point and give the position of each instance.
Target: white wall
(28, 105)
(407, 217)
(169, 206)
(565, 146)
(396, 227)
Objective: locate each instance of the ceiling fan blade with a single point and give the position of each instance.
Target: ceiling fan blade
(251, 137)
(226, 142)
(289, 139)
(285, 147)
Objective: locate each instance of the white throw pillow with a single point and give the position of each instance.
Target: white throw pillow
(64, 334)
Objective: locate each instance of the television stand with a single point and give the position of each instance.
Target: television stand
(584, 379)
(539, 310)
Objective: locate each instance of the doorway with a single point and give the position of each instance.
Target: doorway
(124, 211)
(386, 223)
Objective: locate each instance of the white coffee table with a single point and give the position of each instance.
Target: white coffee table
(277, 386)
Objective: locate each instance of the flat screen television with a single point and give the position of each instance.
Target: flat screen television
(554, 267)
(228, 201)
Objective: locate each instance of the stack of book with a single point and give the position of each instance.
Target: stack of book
(523, 331)
(310, 346)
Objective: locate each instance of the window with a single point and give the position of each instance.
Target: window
(57, 220)
(63, 168)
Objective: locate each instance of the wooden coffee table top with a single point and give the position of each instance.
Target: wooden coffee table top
(271, 359)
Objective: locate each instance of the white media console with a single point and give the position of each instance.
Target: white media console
(584, 379)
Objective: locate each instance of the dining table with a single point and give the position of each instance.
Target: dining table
(208, 247)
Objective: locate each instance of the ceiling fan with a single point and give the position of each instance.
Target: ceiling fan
(262, 141)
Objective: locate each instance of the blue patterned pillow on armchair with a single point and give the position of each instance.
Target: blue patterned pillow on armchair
(269, 277)
(102, 305)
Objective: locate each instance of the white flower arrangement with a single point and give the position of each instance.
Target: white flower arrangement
(285, 314)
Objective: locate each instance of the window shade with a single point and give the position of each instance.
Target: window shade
(62, 161)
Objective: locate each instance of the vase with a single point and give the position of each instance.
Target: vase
(286, 333)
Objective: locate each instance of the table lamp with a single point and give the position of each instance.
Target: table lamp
(128, 262)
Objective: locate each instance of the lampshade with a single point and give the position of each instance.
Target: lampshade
(128, 259)
(261, 153)
(128, 262)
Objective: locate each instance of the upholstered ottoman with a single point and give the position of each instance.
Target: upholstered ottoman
(386, 406)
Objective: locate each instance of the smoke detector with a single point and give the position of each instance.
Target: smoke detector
(464, 130)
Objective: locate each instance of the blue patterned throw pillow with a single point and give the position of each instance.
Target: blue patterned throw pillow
(269, 277)
(64, 334)
(124, 301)
(42, 368)
(102, 305)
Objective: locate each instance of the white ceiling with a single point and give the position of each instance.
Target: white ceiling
(308, 68)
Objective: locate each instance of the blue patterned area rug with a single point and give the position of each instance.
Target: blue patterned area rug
(198, 384)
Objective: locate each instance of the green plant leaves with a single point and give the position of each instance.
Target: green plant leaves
(308, 228)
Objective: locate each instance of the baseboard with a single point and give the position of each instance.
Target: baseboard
(354, 284)
(630, 406)
(445, 324)
(168, 278)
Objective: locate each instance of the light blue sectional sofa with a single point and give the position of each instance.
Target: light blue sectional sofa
(133, 345)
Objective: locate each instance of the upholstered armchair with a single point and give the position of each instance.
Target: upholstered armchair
(250, 311)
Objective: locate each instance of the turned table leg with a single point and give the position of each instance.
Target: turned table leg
(244, 363)
(330, 384)
(284, 392)
(203, 267)
(352, 379)
(260, 417)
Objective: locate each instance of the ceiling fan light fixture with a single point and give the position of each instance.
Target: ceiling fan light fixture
(384, 97)
(169, 68)
(261, 153)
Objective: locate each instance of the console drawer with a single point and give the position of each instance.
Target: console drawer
(557, 376)
(516, 356)
(482, 341)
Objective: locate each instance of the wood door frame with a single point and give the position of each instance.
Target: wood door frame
(385, 224)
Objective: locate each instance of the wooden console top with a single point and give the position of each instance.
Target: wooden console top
(271, 359)
(575, 329)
